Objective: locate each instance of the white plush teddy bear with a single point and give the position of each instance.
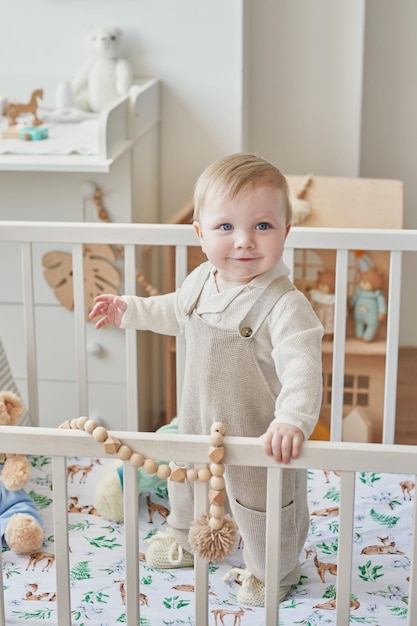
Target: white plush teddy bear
(105, 76)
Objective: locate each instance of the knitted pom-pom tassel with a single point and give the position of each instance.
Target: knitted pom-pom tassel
(213, 545)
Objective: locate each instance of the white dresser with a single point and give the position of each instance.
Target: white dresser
(51, 188)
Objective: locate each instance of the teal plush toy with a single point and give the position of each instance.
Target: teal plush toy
(108, 495)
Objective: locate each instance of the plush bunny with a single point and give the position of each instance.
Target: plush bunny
(105, 76)
(20, 522)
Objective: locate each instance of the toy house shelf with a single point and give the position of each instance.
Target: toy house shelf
(336, 203)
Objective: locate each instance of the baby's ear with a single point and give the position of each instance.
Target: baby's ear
(197, 228)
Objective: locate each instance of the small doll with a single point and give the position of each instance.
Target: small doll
(369, 305)
(322, 300)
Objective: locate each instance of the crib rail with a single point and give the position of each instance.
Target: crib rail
(341, 241)
(347, 457)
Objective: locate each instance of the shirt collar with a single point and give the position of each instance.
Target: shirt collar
(263, 280)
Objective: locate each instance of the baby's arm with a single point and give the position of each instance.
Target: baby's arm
(110, 307)
(283, 442)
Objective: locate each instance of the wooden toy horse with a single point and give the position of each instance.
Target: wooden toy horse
(15, 109)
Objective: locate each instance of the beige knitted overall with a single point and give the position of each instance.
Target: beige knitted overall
(224, 382)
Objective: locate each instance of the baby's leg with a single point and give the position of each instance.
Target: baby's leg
(170, 549)
(247, 497)
(181, 502)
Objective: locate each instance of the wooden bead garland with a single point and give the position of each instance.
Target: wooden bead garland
(211, 536)
(113, 445)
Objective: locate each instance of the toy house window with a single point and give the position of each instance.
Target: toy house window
(356, 390)
(306, 265)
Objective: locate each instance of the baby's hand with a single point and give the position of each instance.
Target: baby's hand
(283, 442)
(110, 307)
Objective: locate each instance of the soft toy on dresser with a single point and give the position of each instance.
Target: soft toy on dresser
(105, 76)
(20, 522)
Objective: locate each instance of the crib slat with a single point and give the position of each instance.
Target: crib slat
(412, 587)
(131, 537)
(338, 370)
(391, 361)
(201, 578)
(79, 327)
(133, 417)
(180, 274)
(59, 483)
(344, 554)
(29, 322)
(2, 607)
(273, 544)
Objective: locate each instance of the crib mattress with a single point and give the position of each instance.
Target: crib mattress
(381, 560)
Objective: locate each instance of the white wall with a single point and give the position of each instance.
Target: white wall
(389, 128)
(305, 79)
(194, 48)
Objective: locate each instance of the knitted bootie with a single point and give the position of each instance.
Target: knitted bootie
(252, 590)
(165, 552)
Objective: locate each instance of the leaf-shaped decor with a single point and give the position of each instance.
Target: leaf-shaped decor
(100, 276)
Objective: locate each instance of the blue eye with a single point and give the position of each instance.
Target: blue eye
(226, 227)
(262, 226)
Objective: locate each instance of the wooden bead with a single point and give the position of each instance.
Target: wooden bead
(217, 469)
(137, 459)
(124, 452)
(217, 482)
(204, 474)
(215, 523)
(163, 471)
(218, 427)
(178, 474)
(74, 423)
(150, 466)
(216, 454)
(81, 421)
(66, 424)
(192, 475)
(216, 511)
(89, 426)
(217, 497)
(100, 434)
(111, 444)
(216, 439)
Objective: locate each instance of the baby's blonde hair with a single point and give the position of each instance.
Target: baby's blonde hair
(233, 173)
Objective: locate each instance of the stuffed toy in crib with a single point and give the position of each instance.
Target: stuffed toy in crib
(108, 495)
(105, 76)
(20, 522)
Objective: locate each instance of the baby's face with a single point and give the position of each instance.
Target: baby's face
(244, 236)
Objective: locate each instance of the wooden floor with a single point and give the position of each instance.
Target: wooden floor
(406, 425)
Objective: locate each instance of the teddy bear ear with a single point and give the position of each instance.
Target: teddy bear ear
(12, 408)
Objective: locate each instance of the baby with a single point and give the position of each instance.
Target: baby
(253, 359)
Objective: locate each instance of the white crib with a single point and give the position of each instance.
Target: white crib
(347, 457)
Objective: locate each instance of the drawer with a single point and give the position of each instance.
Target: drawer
(58, 403)
(55, 345)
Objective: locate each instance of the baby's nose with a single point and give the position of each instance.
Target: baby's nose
(243, 239)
